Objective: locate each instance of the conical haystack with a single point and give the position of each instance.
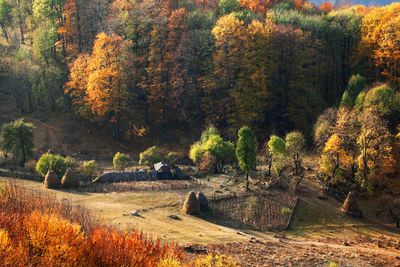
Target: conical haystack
(350, 206)
(202, 201)
(69, 179)
(51, 180)
(191, 205)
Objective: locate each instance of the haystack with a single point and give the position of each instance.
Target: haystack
(201, 198)
(69, 179)
(191, 205)
(51, 180)
(350, 206)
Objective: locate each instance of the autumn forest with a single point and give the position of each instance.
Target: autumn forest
(169, 68)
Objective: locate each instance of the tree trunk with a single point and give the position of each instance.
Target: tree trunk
(247, 181)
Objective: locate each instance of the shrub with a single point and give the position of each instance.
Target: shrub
(214, 260)
(11, 255)
(169, 262)
(111, 248)
(208, 162)
(39, 230)
(285, 211)
(90, 167)
(252, 203)
(53, 162)
(150, 156)
(172, 157)
(120, 161)
(54, 239)
(196, 152)
(71, 162)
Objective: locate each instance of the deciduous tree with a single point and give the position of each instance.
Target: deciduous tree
(245, 152)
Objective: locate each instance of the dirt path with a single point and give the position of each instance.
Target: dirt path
(280, 252)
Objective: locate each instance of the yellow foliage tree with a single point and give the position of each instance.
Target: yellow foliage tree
(375, 145)
(380, 42)
(335, 160)
(98, 82)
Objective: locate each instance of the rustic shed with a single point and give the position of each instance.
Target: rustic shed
(163, 170)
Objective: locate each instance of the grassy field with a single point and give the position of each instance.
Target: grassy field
(153, 207)
(313, 218)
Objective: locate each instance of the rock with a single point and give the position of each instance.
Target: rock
(51, 180)
(322, 196)
(346, 244)
(350, 206)
(226, 181)
(172, 216)
(191, 205)
(203, 201)
(218, 191)
(134, 213)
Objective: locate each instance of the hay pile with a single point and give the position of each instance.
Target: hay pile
(350, 206)
(69, 179)
(191, 205)
(51, 180)
(201, 198)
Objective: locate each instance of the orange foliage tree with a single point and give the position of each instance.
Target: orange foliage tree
(77, 85)
(99, 82)
(69, 31)
(326, 7)
(380, 42)
(258, 6)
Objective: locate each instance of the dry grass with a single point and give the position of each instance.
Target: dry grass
(154, 208)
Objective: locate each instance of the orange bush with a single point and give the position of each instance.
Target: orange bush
(54, 240)
(39, 230)
(111, 248)
(11, 254)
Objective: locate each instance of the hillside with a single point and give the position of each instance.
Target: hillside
(285, 114)
(318, 235)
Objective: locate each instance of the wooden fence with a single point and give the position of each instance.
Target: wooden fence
(260, 210)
